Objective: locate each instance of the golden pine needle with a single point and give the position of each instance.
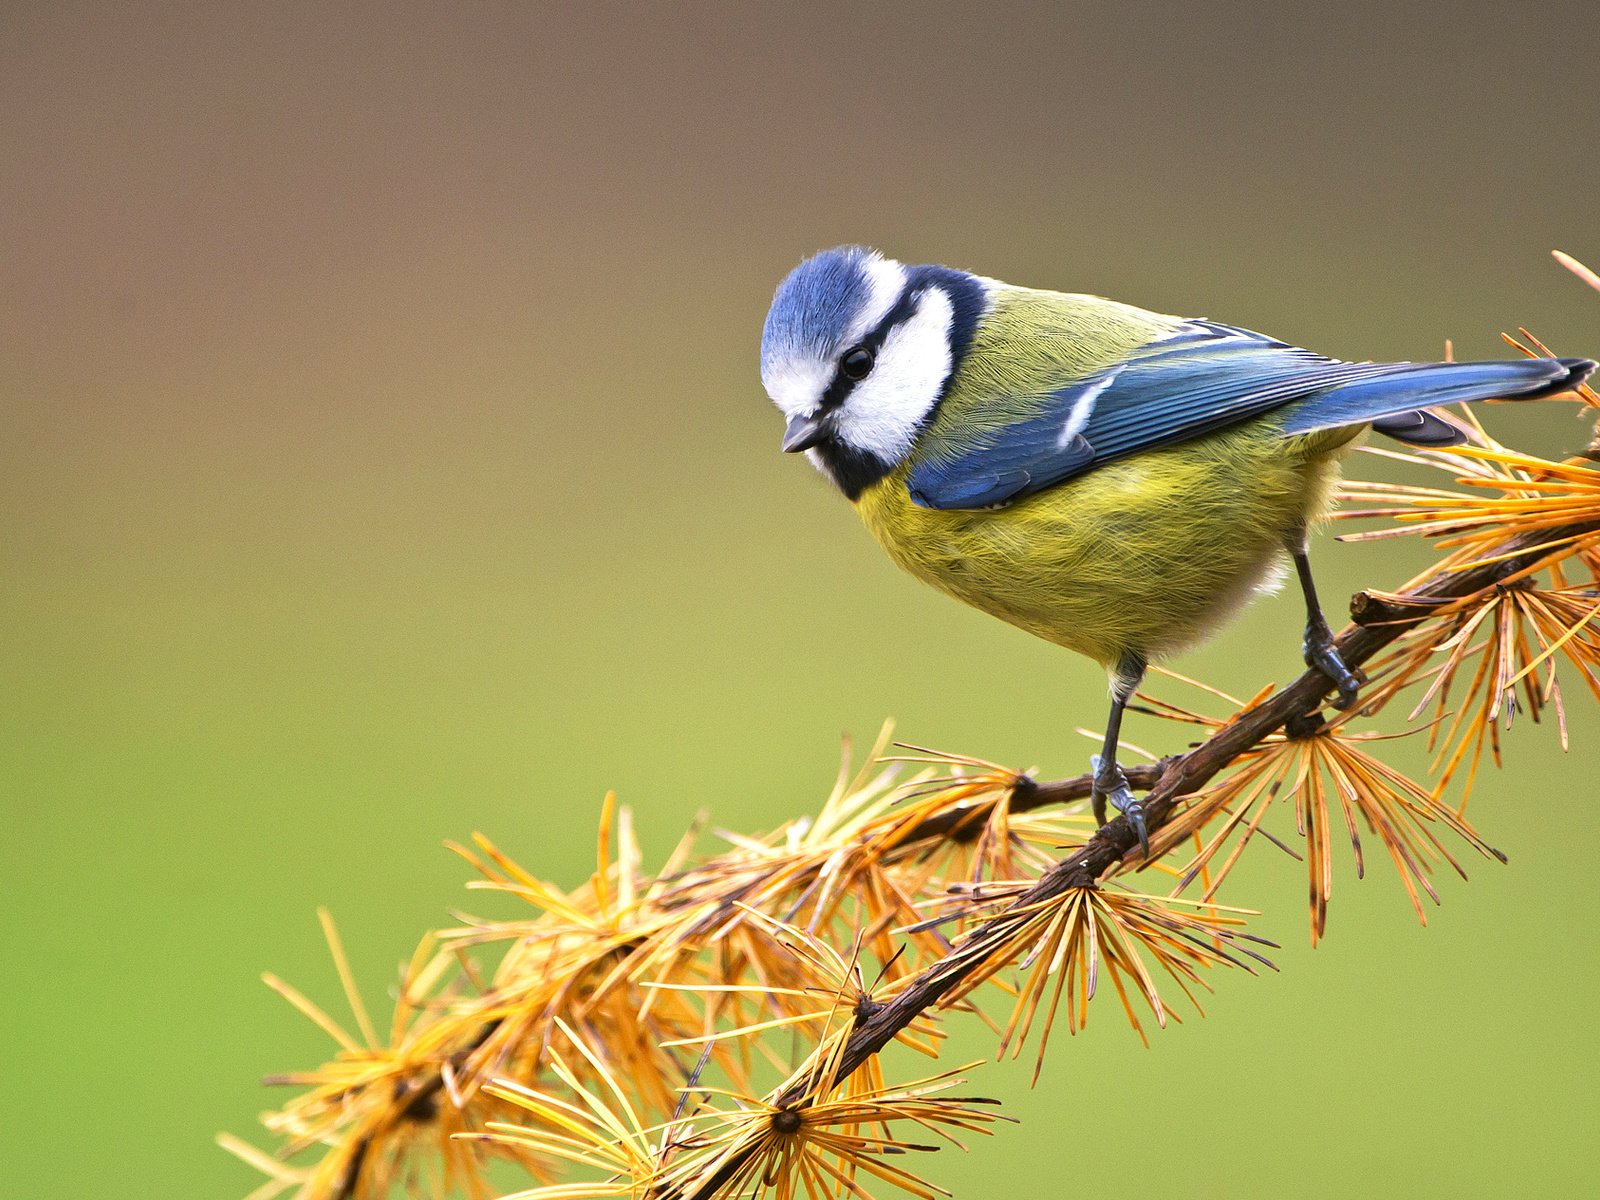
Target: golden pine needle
(821, 981)
(1577, 268)
(1061, 944)
(983, 837)
(816, 1147)
(1319, 774)
(820, 1147)
(862, 863)
(597, 1130)
(341, 962)
(1535, 496)
(1498, 641)
(280, 1175)
(311, 1011)
(385, 1112)
(1475, 652)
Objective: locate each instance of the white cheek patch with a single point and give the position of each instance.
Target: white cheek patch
(884, 411)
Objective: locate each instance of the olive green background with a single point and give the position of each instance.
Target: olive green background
(383, 458)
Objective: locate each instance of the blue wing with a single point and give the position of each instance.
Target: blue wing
(1201, 379)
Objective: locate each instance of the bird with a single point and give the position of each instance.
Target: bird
(1113, 480)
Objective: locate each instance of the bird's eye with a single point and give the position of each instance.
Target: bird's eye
(856, 363)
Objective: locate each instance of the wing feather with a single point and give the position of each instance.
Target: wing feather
(1201, 378)
(1198, 379)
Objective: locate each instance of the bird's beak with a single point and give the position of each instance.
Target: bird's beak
(803, 433)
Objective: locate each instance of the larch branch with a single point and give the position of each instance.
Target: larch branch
(1168, 781)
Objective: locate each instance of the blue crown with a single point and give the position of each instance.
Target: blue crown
(816, 304)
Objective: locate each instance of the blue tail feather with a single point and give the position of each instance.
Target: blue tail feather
(1385, 400)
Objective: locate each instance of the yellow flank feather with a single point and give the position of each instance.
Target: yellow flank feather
(1142, 555)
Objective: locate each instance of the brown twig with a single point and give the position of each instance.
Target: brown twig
(1168, 780)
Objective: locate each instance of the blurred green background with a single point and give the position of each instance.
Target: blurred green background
(383, 459)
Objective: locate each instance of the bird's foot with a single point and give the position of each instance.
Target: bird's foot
(1321, 655)
(1111, 784)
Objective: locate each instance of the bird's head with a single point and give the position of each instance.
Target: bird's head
(857, 352)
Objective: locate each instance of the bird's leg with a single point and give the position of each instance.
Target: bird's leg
(1109, 782)
(1318, 648)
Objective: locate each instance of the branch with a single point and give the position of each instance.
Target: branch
(1172, 778)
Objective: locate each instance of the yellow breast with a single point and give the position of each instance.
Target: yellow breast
(1146, 555)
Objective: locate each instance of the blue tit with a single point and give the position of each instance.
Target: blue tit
(1115, 481)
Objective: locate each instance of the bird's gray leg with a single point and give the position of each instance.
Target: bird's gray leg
(1318, 648)
(1109, 782)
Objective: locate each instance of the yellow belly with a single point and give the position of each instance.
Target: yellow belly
(1144, 555)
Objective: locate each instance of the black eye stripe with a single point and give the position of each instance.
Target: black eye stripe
(840, 387)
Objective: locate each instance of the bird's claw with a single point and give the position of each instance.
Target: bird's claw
(1322, 655)
(1111, 784)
